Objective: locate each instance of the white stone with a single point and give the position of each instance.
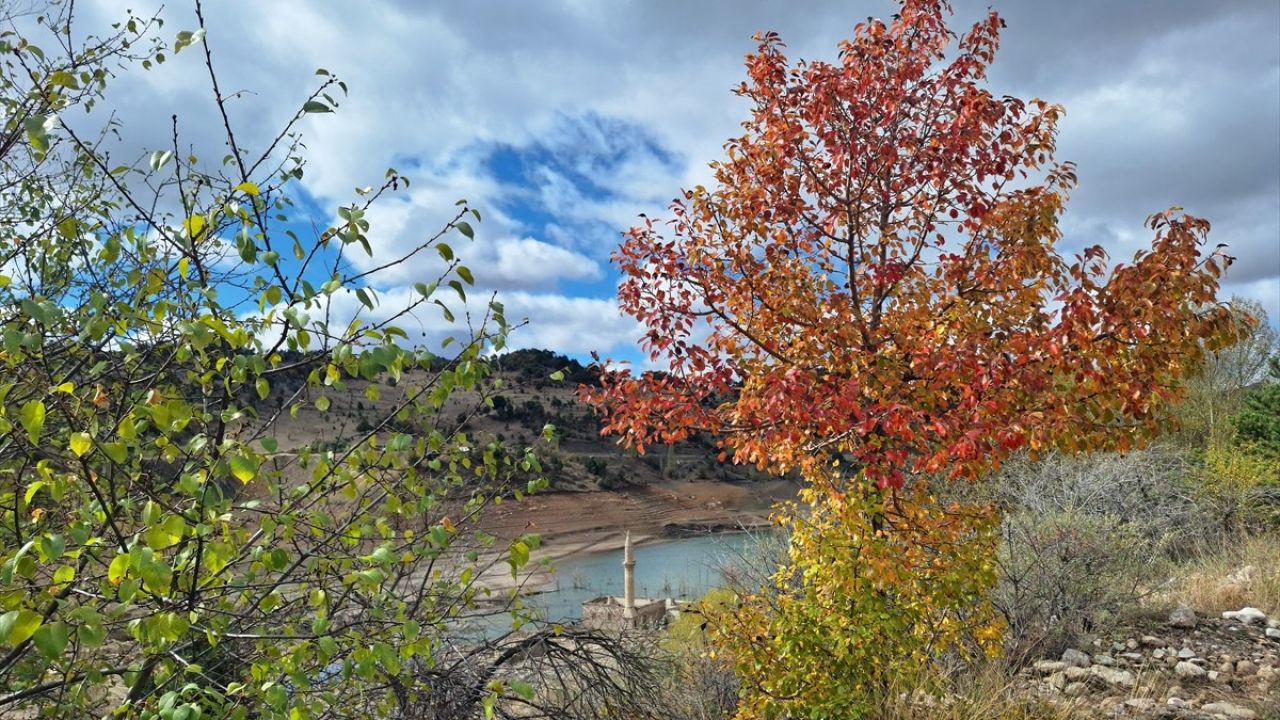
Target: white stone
(1189, 670)
(1076, 689)
(1273, 633)
(1111, 676)
(1076, 674)
(1229, 710)
(1186, 654)
(1048, 667)
(1247, 615)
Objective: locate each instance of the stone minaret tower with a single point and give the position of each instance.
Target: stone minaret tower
(628, 581)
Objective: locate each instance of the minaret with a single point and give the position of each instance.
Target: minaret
(628, 581)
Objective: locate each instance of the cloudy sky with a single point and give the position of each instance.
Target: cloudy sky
(563, 120)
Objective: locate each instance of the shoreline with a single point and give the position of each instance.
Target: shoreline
(576, 525)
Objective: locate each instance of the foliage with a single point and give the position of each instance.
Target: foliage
(162, 553)
(1242, 484)
(1085, 539)
(915, 589)
(1258, 424)
(1219, 390)
(870, 295)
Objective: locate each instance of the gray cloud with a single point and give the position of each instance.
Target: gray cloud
(1171, 102)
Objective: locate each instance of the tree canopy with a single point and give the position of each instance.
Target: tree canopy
(872, 293)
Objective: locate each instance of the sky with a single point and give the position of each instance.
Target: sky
(563, 120)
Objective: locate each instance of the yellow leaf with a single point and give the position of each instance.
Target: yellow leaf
(80, 443)
(248, 188)
(193, 226)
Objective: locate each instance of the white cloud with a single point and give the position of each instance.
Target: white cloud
(1175, 104)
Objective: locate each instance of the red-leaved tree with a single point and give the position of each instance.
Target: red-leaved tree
(872, 293)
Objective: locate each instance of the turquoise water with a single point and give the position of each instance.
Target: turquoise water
(684, 569)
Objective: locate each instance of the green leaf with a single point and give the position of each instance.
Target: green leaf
(159, 158)
(37, 133)
(522, 689)
(464, 272)
(91, 635)
(51, 639)
(16, 626)
(243, 468)
(187, 38)
(322, 403)
(118, 568)
(64, 574)
(33, 419)
(519, 555)
(464, 227)
(315, 106)
(116, 451)
(270, 444)
(64, 79)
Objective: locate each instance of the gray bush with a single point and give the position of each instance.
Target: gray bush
(1085, 538)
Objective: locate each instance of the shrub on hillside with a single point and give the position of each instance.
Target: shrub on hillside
(1082, 538)
(1258, 424)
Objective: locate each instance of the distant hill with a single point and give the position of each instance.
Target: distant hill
(526, 400)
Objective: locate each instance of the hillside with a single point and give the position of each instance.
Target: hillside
(595, 489)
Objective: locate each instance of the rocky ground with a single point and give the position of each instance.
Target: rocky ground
(1187, 667)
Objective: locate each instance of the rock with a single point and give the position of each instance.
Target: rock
(1075, 674)
(1176, 702)
(1229, 710)
(1227, 666)
(1131, 644)
(1058, 681)
(1246, 668)
(1075, 658)
(1111, 676)
(1104, 660)
(1214, 676)
(1247, 615)
(1140, 704)
(1184, 617)
(1273, 633)
(1157, 654)
(1186, 669)
(1048, 667)
(1075, 689)
(1186, 653)
(1152, 641)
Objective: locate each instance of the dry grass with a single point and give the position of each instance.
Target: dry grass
(983, 692)
(1232, 576)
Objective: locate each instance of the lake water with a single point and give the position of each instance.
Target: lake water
(684, 569)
